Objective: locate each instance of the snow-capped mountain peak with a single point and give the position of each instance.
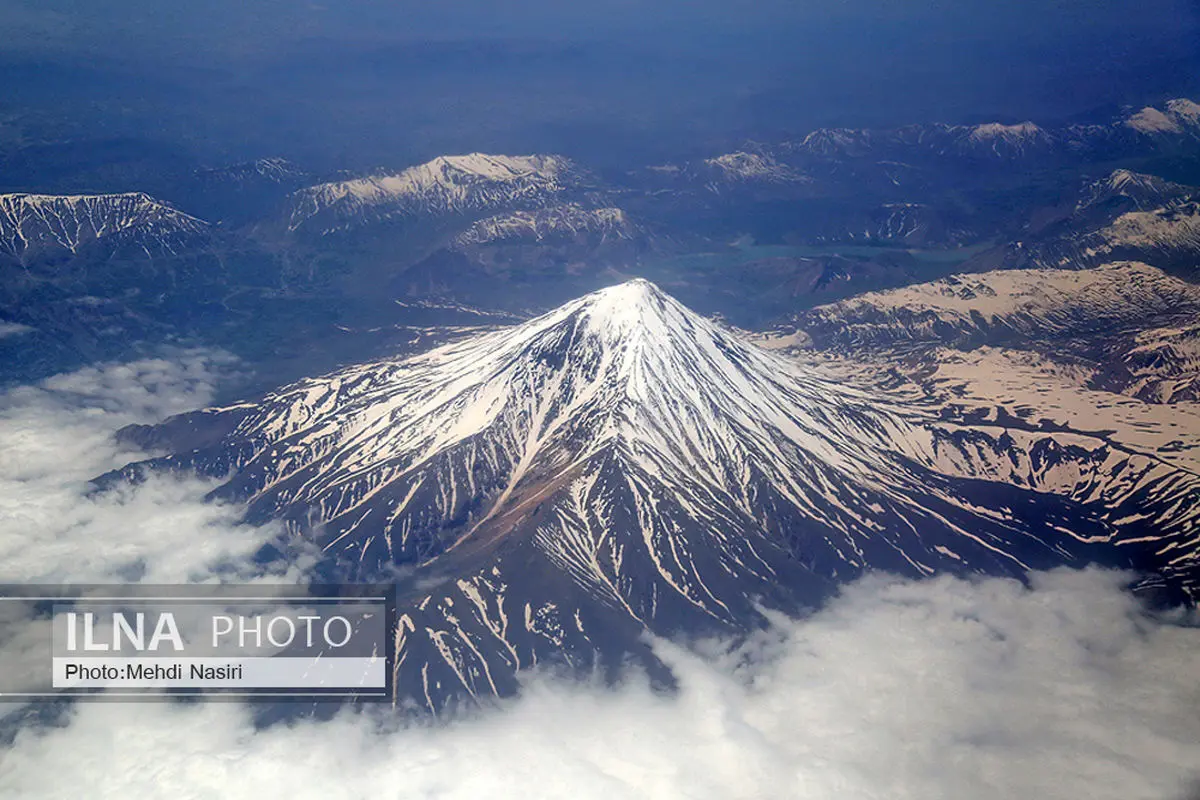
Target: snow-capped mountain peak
(622, 464)
(1000, 140)
(634, 310)
(833, 142)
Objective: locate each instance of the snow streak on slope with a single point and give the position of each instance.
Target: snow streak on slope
(444, 185)
(35, 222)
(1165, 363)
(621, 463)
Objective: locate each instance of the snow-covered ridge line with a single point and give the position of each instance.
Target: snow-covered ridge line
(992, 139)
(1172, 231)
(69, 221)
(445, 184)
(1179, 117)
(1012, 133)
(1126, 328)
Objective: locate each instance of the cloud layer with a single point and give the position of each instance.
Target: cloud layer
(54, 528)
(58, 435)
(936, 689)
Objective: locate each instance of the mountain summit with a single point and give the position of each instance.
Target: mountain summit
(621, 464)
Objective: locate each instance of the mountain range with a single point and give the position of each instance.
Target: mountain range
(563, 407)
(355, 266)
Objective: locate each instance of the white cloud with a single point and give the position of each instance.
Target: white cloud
(899, 689)
(58, 435)
(54, 528)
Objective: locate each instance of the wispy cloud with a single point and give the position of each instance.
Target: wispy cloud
(13, 329)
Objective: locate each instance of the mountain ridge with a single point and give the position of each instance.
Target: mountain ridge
(36, 222)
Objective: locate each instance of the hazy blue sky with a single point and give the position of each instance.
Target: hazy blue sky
(369, 81)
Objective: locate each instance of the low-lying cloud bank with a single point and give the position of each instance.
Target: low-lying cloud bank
(899, 689)
(58, 435)
(55, 528)
(930, 689)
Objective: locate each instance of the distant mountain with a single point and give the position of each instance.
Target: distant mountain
(528, 261)
(446, 185)
(992, 140)
(1169, 236)
(96, 277)
(269, 170)
(237, 194)
(753, 174)
(752, 232)
(37, 226)
(547, 493)
(1129, 327)
(912, 224)
(1179, 117)
(1125, 190)
(1178, 121)
(743, 168)
(1004, 305)
(565, 223)
(1125, 216)
(931, 184)
(1008, 140)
